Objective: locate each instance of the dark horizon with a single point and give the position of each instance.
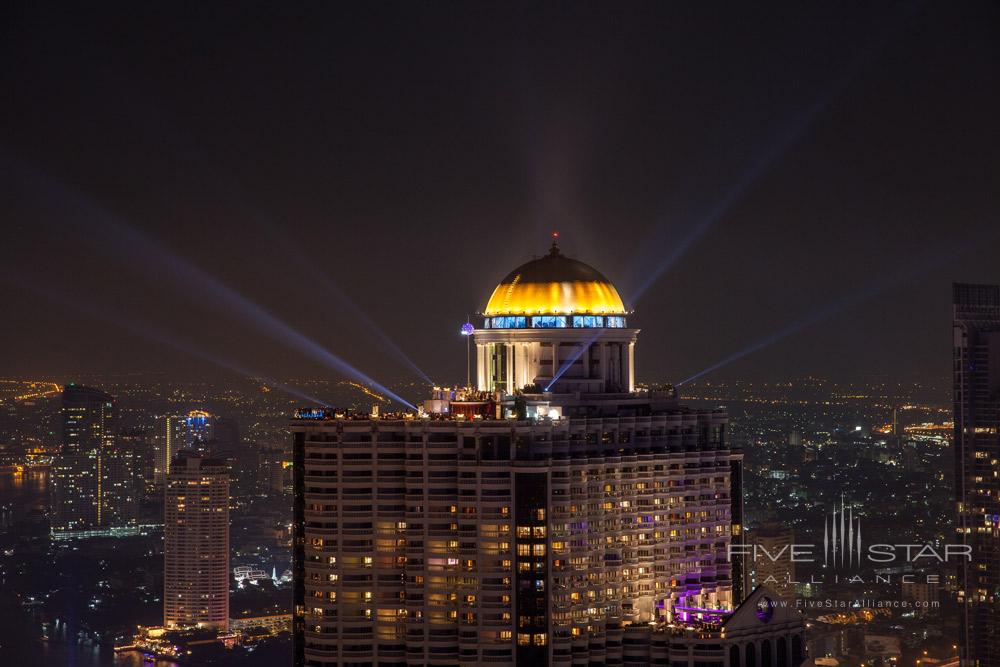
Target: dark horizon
(813, 178)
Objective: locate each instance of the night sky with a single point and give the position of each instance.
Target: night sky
(821, 170)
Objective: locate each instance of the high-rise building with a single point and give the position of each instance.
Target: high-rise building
(191, 431)
(273, 472)
(196, 542)
(531, 519)
(94, 487)
(138, 442)
(977, 462)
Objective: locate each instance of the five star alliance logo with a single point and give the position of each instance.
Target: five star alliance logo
(844, 552)
(842, 537)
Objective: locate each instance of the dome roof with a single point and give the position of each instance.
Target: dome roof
(555, 284)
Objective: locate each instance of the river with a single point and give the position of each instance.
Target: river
(23, 495)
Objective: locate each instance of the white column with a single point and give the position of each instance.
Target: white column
(508, 350)
(631, 366)
(522, 364)
(481, 367)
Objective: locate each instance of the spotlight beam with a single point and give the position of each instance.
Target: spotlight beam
(192, 152)
(320, 277)
(837, 306)
(150, 255)
(761, 165)
(572, 359)
(150, 333)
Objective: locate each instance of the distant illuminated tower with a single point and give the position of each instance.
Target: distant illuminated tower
(557, 324)
(535, 520)
(190, 431)
(93, 479)
(196, 542)
(976, 330)
(199, 429)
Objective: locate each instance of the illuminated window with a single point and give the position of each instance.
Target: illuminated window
(616, 322)
(587, 321)
(548, 322)
(509, 322)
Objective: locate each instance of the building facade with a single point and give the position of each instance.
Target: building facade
(191, 431)
(537, 518)
(776, 570)
(976, 327)
(760, 632)
(94, 480)
(196, 542)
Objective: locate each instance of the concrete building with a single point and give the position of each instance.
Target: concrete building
(196, 542)
(976, 328)
(193, 431)
(773, 566)
(536, 518)
(94, 481)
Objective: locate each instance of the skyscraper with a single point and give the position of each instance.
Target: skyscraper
(93, 479)
(531, 519)
(190, 431)
(196, 542)
(977, 465)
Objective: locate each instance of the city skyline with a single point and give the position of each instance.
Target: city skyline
(552, 334)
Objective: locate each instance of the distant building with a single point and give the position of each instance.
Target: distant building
(976, 329)
(774, 568)
(170, 440)
(196, 542)
(139, 442)
(274, 471)
(93, 477)
(925, 594)
(273, 623)
(196, 431)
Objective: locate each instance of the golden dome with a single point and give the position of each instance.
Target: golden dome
(555, 284)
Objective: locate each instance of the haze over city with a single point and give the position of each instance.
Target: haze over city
(735, 172)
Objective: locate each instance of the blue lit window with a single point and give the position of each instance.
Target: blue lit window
(587, 321)
(548, 321)
(616, 322)
(509, 322)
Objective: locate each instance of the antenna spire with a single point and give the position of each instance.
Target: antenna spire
(554, 250)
